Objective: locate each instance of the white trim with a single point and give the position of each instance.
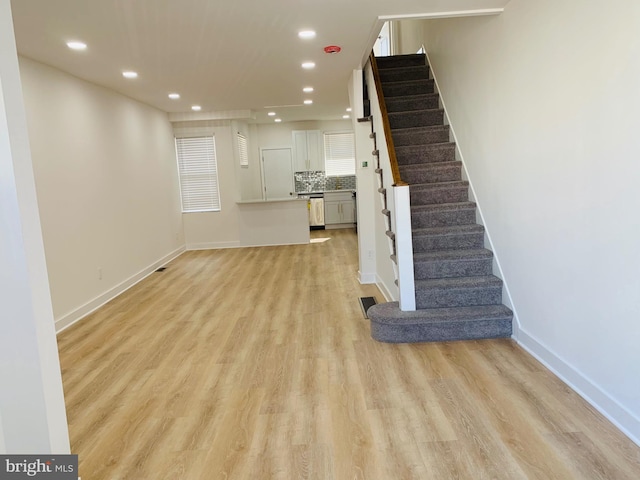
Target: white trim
(456, 13)
(213, 245)
(386, 293)
(366, 278)
(78, 314)
(496, 259)
(608, 406)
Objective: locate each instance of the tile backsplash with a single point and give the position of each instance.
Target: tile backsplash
(317, 181)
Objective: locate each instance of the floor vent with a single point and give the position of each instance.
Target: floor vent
(365, 303)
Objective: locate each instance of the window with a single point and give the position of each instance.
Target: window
(243, 150)
(339, 154)
(198, 174)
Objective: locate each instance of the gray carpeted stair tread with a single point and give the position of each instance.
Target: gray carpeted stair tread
(458, 292)
(432, 152)
(412, 72)
(420, 135)
(441, 207)
(397, 61)
(459, 283)
(450, 230)
(443, 214)
(433, 172)
(419, 187)
(416, 118)
(472, 253)
(408, 103)
(390, 324)
(409, 87)
(452, 263)
(452, 237)
(430, 165)
(441, 192)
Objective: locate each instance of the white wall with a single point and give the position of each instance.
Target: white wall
(32, 410)
(107, 186)
(215, 229)
(545, 104)
(250, 176)
(365, 178)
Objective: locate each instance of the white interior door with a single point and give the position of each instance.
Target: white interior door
(277, 171)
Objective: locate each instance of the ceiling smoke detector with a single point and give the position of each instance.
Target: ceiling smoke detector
(332, 49)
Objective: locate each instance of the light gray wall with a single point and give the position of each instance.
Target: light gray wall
(545, 103)
(108, 193)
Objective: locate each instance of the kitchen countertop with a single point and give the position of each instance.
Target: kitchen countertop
(349, 190)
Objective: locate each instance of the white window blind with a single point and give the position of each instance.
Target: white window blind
(198, 174)
(243, 150)
(339, 154)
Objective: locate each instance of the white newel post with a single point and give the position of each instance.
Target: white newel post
(404, 248)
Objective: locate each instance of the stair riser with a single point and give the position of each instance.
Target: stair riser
(424, 118)
(447, 242)
(440, 135)
(436, 196)
(400, 61)
(403, 74)
(412, 156)
(417, 87)
(452, 268)
(407, 104)
(459, 297)
(431, 175)
(443, 218)
(442, 332)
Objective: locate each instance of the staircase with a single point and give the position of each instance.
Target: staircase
(457, 297)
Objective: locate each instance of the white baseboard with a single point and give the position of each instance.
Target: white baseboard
(388, 296)
(212, 245)
(618, 414)
(366, 278)
(79, 313)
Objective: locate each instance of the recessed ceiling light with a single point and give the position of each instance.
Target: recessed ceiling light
(272, 114)
(129, 74)
(196, 108)
(349, 109)
(308, 65)
(345, 116)
(174, 96)
(77, 45)
(308, 102)
(278, 120)
(306, 34)
(307, 89)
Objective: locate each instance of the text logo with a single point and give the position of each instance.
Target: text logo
(49, 467)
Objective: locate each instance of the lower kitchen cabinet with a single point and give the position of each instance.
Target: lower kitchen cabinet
(339, 207)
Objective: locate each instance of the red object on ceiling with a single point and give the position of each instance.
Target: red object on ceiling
(332, 49)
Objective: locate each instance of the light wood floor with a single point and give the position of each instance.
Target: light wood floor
(258, 364)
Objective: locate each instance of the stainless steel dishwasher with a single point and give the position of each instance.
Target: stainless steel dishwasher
(316, 211)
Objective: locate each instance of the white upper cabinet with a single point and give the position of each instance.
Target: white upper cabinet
(308, 150)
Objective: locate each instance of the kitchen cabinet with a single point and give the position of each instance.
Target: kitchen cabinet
(308, 150)
(339, 208)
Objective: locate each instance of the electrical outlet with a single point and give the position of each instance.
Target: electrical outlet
(99, 273)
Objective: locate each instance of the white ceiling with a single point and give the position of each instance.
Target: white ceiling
(225, 55)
